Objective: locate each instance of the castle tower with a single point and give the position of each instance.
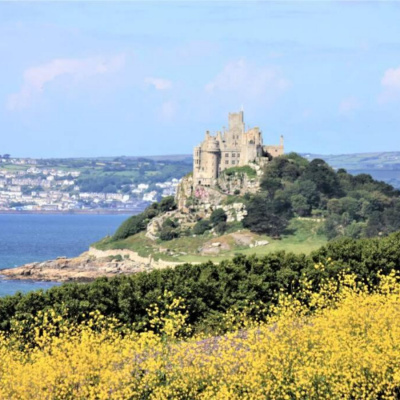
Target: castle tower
(235, 147)
(213, 151)
(236, 129)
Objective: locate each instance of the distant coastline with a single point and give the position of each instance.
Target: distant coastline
(72, 212)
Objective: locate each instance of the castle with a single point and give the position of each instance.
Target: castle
(233, 148)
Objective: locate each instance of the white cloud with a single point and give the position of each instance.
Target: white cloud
(248, 81)
(348, 105)
(35, 79)
(390, 85)
(159, 83)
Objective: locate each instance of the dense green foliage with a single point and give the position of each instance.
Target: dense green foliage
(353, 206)
(138, 223)
(209, 290)
(201, 227)
(218, 216)
(169, 230)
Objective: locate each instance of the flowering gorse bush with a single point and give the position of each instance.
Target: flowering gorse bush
(342, 342)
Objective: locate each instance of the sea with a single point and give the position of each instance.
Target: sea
(26, 238)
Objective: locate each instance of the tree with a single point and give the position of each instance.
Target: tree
(201, 227)
(261, 218)
(374, 226)
(167, 204)
(168, 233)
(217, 216)
(324, 177)
(331, 227)
(300, 205)
(221, 227)
(131, 226)
(271, 185)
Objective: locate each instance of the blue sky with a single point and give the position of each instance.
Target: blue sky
(133, 78)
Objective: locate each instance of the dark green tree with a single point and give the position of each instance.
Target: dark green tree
(217, 216)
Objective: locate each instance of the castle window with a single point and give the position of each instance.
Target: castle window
(227, 162)
(233, 154)
(233, 161)
(226, 154)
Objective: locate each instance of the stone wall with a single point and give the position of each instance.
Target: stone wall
(147, 262)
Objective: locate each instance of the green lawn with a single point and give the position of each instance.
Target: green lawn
(302, 237)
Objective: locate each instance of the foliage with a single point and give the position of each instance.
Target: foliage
(131, 226)
(138, 223)
(209, 290)
(167, 204)
(221, 227)
(325, 344)
(354, 206)
(262, 217)
(245, 169)
(217, 216)
(201, 227)
(169, 230)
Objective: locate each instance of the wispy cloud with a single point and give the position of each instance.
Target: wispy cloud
(248, 81)
(390, 85)
(349, 105)
(35, 79)
(159, 83)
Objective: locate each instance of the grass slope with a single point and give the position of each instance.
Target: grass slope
(302, 237)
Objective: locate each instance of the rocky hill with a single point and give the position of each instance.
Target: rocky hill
(290, 204)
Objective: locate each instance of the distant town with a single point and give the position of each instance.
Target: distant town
(129, 184)
(86, 185)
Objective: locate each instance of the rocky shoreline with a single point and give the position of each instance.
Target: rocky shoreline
(86, 267)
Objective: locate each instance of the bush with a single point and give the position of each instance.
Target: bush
(167, 204)
(209, 290)
(262, 218)
(168, 233)
(201, 227)
(131, 226)
(221, 227)
(138, 223)
(217, 216)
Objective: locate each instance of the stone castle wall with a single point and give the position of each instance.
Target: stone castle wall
(232, 148)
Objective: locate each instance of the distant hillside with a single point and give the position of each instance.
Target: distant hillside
(381, 166)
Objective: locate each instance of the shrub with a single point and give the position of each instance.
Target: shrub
(201, 227)
(221, 227)
(217, 216)
(348, 349)
(262, 218)
(131, 226)
(138, 223)
(167, 204)
(168, 233)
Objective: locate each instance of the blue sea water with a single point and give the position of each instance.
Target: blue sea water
(27, 238)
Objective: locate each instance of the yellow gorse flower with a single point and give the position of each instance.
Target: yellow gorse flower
(343, 344)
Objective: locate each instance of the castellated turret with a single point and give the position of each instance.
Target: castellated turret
(232, 148)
